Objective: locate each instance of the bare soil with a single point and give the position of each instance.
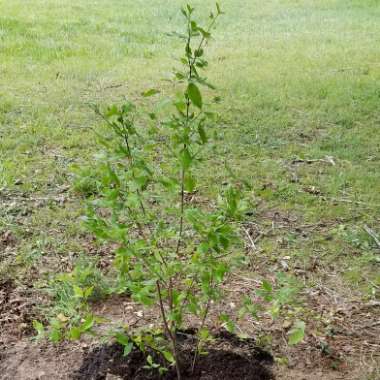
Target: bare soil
(228, 358)
(342, 335)
(346, 347)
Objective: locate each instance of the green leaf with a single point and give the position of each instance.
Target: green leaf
(169, 183)
(179, 75)
(127, 349)
(127, 108)
(39, 327)
(113, 176)
(297, 333)
(112, 111)
(189, 183)
(123, 339)
(228, 324)
(198, 52)
(168, 356)
(186, 158)
(202, 134)
(55, 335)
(181, 106)
(88, 323)
(150, 92)
(204, 334)
(266, 285)
(274, 309)
(88, 291)
(202, 81)
(188, 52)
(194, 95)
(220, 271)
(75, 333)
(78, 292)
(204, 33)
(194, 25)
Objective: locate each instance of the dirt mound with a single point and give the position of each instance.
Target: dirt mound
(228, 358)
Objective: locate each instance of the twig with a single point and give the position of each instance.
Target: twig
(199, 341)
(373, 235)
(113, 86)
(345, 200)
(372, 304)
(327, 160)
(250, 239)
(368, 325)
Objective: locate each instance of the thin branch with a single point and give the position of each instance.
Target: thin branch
(373, 235)
(152, 271)
(250, 239)
(187, 295)
(199, 341)
(124, 134)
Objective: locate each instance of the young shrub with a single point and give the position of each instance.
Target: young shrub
(171, 254)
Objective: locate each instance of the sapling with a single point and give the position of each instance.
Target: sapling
(170, 253)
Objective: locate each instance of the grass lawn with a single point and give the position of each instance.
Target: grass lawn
(300, 82)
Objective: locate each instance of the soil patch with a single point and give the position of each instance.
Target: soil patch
(228, 358)
(15, 309)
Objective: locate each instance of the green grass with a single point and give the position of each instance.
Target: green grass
(299, 79)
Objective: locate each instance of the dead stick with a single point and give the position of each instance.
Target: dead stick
(372, 233)
(250, 239)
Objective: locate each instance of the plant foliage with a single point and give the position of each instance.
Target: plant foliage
(171, 253)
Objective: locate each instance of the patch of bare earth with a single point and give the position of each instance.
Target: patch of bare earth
(20, 357)
(343, 331)
(343, 343)
(25, 360)
(342, 336)
(16, 311)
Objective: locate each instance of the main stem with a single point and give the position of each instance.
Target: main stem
(188, 103)
(170, 334)
(190, 63)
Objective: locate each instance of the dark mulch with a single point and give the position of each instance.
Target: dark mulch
(228, 358)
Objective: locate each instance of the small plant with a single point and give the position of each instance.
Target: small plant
(171, 253)
(71, 293)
